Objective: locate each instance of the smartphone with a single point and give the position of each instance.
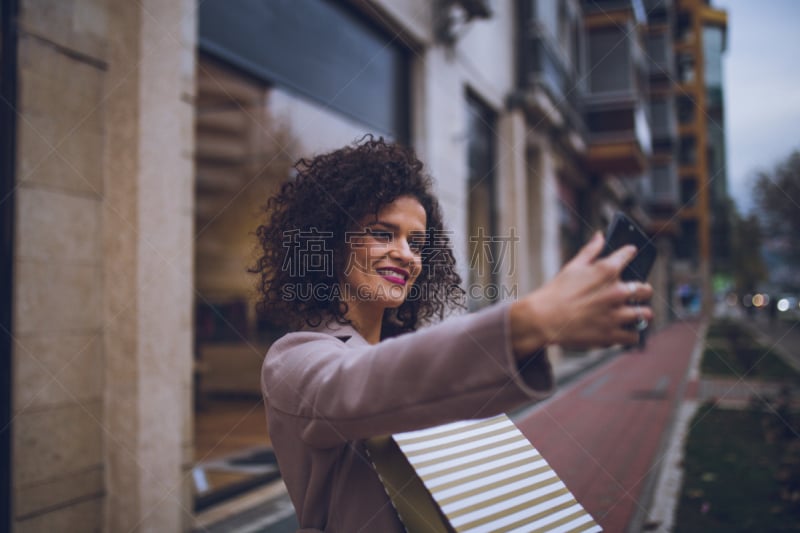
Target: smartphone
(622, 231)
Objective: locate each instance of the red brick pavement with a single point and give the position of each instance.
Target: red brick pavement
(603, 434)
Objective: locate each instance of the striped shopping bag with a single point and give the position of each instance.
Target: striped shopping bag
(474, 476)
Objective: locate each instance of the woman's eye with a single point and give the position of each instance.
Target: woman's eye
(417, 246)
(380, 235)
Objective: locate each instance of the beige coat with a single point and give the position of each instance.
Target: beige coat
(325, 396)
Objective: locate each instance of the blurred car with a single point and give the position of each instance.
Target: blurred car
(788, 307)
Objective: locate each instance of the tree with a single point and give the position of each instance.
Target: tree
(777, 201)
(746, 262)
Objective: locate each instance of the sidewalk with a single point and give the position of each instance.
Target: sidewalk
(606, 433)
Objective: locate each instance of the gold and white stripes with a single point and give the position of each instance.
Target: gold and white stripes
(486, 476)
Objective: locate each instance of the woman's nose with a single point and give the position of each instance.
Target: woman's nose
(402, 250)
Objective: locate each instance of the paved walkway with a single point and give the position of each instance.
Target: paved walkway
(606, 433)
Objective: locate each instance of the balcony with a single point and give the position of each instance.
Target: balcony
(619, 138)
(549, 88)
(615, 105)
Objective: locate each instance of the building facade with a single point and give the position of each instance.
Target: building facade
(147, 135)
(700, 37)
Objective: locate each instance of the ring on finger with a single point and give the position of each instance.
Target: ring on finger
(641, 322)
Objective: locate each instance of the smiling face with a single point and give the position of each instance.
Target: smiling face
(384, 258)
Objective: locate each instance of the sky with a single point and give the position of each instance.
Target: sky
(762, 89)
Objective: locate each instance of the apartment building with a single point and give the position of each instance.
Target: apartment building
(142, 137)
(643, 81)
(662, 199)
(700, 41)
(584, 86)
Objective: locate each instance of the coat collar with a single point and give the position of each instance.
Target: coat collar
(345, 332)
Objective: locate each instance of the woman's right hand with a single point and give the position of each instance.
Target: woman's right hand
(585, 305)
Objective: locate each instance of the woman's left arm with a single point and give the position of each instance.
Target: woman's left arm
(463, 368)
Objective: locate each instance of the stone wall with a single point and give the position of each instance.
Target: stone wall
(103, 266)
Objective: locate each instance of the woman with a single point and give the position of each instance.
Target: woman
(355, 259)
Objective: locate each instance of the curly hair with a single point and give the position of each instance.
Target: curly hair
(330, 194)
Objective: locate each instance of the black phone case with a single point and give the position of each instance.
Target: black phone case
(624, 231)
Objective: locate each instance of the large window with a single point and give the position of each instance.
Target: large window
(248, 134)
(659, 51)
(688, 192)
(687, 151)
(609, 61)
(662, 117)
(315, 48)
(713, 46)
(276, 80)
(239, 156)
(484, 243)
(658, 114)
(687, 109)
(663, 182)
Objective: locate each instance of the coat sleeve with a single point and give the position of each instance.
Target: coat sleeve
(462, 368)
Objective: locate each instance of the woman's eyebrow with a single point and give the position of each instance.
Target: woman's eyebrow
(392, 227)
(388, 225)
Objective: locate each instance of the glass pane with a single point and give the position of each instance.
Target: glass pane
(688, 192)
(713, 47)
(233, 140)
(316, 48)
(687, 153)
(686, 109)
(609, 61)
(483, 243)
(662, 180)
